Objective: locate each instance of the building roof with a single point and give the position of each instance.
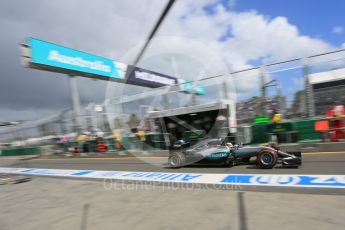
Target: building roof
(327, 76)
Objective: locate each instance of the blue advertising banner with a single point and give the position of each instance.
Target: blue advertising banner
(276, 180)
(287, 180)
(49, 54)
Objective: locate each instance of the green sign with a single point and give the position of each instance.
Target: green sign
(261, 120)
(278, 128)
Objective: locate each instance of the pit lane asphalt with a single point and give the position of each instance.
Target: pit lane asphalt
(313, 163)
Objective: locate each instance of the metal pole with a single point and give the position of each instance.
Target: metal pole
(75, 101)
(280, 98)
(309, 97)
(263, 92)
(194, 102)
(225, 89)
(228, 110)
(193, 92)
(166, 104)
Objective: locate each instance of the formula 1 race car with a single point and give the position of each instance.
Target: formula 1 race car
(216, 151)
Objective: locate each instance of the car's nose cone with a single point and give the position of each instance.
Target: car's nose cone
(292, 161)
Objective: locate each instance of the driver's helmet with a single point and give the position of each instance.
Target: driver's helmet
(181, 142)
(229, 145)
(273, 145)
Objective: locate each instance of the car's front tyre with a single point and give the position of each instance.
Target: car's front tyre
(177, 160)
(267, 159)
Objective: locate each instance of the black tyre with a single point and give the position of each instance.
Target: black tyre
(177, 160)
(229, 162)
(267, 159)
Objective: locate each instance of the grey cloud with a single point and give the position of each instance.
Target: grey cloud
(106, 28)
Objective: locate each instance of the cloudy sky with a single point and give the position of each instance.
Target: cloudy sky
(203, 37)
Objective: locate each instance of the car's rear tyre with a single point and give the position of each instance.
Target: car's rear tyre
(229, 162)
(177, 160)
(267, 159)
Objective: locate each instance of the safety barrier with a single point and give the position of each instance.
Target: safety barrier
(19, 151)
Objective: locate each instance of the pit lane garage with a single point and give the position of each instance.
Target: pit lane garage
(192, 123)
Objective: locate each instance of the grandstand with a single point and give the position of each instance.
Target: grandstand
(328, 89)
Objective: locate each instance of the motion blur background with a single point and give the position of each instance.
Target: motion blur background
(273, 73)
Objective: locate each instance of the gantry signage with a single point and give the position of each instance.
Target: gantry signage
(44, 55)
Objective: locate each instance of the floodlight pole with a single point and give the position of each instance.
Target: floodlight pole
(263, 92)
(308, 91)
(75, 101)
